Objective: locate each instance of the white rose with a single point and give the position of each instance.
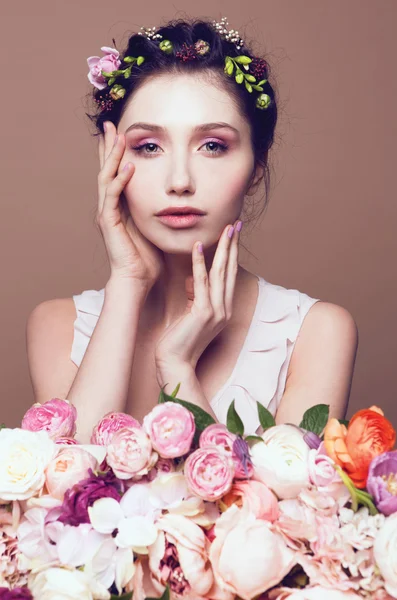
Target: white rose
(385, 553)
(66, 584)
(24, 455)
(281, 462)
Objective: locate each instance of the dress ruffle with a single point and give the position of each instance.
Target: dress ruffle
(261, 371)
(88, 308)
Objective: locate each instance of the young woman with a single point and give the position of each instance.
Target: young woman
(187, 128)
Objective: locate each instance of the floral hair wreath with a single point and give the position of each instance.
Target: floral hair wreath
(105, 70)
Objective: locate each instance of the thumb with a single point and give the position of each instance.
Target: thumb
(189, 288)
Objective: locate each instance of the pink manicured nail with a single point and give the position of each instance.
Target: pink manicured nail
(239, 226)
(230, 232)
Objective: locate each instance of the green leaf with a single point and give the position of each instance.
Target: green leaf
(262, 81)
(250, 78)
(248, 86)
(315, 418)
(343, 422)
(258, 88)
(242, 60)
(266, 418)
(254, 438)
(201, 417)
(176, 390)
(239, 77)
(233, 421)
(126, 596)
(3, 426)
(140, 60)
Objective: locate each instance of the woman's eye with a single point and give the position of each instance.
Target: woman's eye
(221, 148)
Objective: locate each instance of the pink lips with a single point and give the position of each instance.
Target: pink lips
(180, 221)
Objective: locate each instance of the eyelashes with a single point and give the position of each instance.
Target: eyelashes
(222, 148)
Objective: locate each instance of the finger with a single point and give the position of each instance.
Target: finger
(101, 150)
(218, 272)
(200, 280)
(232, 269)
(110, 135)
(115, 188)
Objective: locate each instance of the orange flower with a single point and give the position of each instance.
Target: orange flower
(369, 434)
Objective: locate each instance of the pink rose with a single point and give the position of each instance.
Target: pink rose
(57, 417)
(109, 424)
(130, 453)
(321, 470)
(247, 557)
(209, 473)
(110, 62)
(218, 434)
(256, 496)
(67, 440)
(68, 467)
(171, 428)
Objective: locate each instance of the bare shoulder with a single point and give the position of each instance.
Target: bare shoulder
(322, 363)
(49, 339)
(326, 328)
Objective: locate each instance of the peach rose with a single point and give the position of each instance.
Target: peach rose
(369, 434)
(264, 558)
(311, 593)
(256, 496)
(69, 466)
(130, 453)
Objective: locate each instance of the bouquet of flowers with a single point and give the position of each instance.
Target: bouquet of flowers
(182, 507)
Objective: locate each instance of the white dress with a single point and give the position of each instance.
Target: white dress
(261, 368)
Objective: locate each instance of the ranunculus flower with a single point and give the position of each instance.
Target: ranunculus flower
(24, 456)
(69, 466)
(74, 509)
(57, 417)
(382, 482)
(17, 593)
(369, 434)
(171, 428)
(218, 434)
(264, 558)
(209, 472)
(281, 461)
(110, 62)
(256, 496)
(67, 584)
(109, 424)
(385, 553)
(130, 453)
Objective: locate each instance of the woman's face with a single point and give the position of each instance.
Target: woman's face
(179, 165)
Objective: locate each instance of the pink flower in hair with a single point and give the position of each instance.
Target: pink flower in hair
(109, 62)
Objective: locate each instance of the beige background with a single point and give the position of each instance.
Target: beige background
(330, 227)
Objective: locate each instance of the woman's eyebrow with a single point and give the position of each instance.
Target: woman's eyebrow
(197, 129)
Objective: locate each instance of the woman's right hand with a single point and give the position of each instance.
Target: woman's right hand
(131, 255)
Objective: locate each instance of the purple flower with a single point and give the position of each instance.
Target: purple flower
(77, 499)
(382, 482)
(312, 440)
(19, 593)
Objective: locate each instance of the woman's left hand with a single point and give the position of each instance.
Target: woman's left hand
(208, 309)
